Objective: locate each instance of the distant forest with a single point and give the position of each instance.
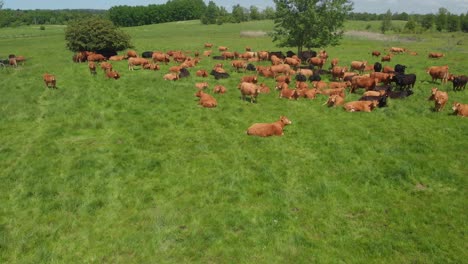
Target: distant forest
(178, 10)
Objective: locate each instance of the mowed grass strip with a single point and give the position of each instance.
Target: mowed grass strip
(134, 171)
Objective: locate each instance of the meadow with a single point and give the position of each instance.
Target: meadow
(134, 171)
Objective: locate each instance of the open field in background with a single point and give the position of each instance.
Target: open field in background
(133, 171)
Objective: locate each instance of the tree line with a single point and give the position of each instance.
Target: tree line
(13, 18)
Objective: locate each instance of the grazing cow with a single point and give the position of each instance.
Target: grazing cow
(316, 61)
(250, 79)
(160, 57)
(201, 85)
(132, 62)
(275, 60)
(222, 48)
(147, 54)
(219, 89)
(81, 56)
(92, 67)
(269, 129)
(49, 80)
(293, 62)
(334, 100)
(238, 64)
(171, 76)
(386, 78)
(285, 92)
(132, 54)
(208, 45)
(112, 74)
(435, 55)
(404, 81)
(367, 83)
(358, 66)
(439, 97)
(377, 67)
(439, 72)
(386, 58)
(376, 53)
(282, 68)
(360, 106)
(337, 72)
(96, 57)
(105, 66)
(116, 58)
(460, 109)
(249, 89)
(202, 73)
(206, 100)
(400, 68)
(459, 82)
(264, 89)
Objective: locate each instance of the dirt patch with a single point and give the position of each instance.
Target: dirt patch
(253, 34)
(378, 36)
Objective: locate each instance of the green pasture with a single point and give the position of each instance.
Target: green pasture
(134, 171)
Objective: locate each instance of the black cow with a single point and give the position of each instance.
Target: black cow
(289, 53)
(278, 54)
(306, 55)
(219, 75)
(381, 99)
(217, 57)
(377, 67)
(459, 82)
(399, 94)
(251, 67)
(147, 54)
(315, 78)
(301, 78)
(400, 69)
(406, 81)
(107, 53)
(184, 73)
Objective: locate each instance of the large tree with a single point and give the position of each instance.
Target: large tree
(94, 34)
(309, 23)
(386, 22)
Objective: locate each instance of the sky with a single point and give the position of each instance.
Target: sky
(370, 6)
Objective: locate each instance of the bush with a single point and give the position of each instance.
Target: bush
(94, 34)
(41, 28)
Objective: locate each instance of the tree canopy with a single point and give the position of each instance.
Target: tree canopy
(309, 23)
(94, 34)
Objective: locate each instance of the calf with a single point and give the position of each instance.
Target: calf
(269, 129)
(376, 53)
(202, 73)
(171, 76)
(360, 106)
(206, 100)
(439, 97)
(219, 89)
(386, 58)
(460, 109)
(201, 85)
(49, 80)
(264, 89)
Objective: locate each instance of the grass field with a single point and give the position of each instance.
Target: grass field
(133, 171)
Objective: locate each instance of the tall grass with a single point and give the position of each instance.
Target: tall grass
(134, 171)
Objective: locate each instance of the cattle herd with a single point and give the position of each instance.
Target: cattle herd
(305, 69)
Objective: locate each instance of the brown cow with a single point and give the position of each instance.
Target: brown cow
(334, 62)
(305, 72)
(367, 83)
(132, 54)
(282, 68)
(358, 65)
(266, 72)
(386, 78)
(374, 93)
(264, 89)
(238, 64)
(460, 109)
(285, 92)
(338, 72)
(386, 58)
(201, 85)
(171, 76)
(152, 66)
(92, 67)
(283, 78)
(334, 85)
(397, 50)
(316, 61)
(208, 45)
(320, 85)
(439, 72)
(219, 89)
(250, 79)
(337, 91)
(207, 53)
(249, 89)
(96, 57)
(263, 55)
(439, 97)
(275, 60)
(388, 69)
(376, 53)
(206, 100)
(222, 48)
(116, 58)
(105, 66)
(293, 62)
(160, 57)
(269, 129)
(136, 61)
(435, 55)
(201, 73)
(360, 106)
(112, 74)
(301, 85)
(49, 80)
(334, 100)
(228, 55)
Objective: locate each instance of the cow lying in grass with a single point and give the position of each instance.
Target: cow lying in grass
(360, 106)
(460, 109)
(269, 129)
(206, 100)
